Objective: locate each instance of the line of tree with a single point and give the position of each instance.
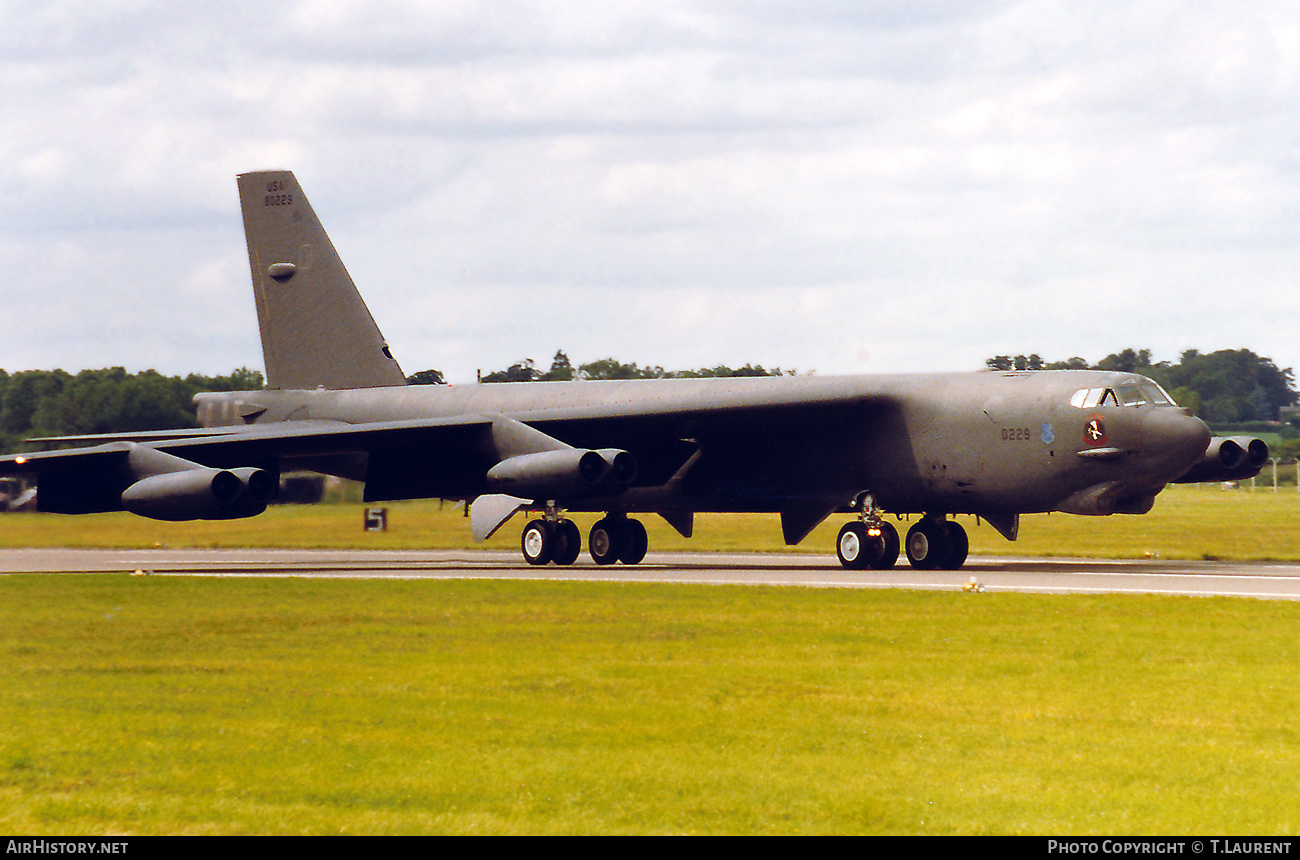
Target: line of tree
(562, 370)
(37, 403)
(1224, 387)
(1230, 386)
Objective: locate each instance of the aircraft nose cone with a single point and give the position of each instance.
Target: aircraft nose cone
(1174, 440)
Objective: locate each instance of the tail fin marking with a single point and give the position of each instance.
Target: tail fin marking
(316, 329)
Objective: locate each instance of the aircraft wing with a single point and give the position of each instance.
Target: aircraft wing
(535, 452)
(207, 475)
(603, 422)
(246, 444)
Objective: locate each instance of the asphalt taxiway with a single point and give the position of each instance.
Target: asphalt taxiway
(1263, 580)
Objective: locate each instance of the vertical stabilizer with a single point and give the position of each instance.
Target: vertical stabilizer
(316, 330)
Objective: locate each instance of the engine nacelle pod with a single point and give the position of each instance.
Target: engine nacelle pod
(565, 473)
(1256, 455)
(622, 466)
(201, 494)
(1228, 459)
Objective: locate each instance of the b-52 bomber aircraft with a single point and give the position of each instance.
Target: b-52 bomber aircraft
(991, 444)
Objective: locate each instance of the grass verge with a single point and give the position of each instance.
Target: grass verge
(169, 705)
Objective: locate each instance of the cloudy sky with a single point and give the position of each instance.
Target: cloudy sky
(838, 187)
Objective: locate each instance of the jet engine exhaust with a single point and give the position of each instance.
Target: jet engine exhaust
(565, 473)
(1234, 458)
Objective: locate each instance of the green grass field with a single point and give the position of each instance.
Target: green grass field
(143, 705)
(169, 705)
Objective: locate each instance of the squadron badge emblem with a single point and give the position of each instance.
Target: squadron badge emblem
(1095, 432)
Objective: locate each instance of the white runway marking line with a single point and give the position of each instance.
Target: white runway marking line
(306, 569)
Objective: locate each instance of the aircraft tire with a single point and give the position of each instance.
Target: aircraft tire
(927, 544)
(958, 546)
(605, 541)
(854, 547)
(538, 542)
(860, 546)
(635, 543)
(888, 556)
(568, 542)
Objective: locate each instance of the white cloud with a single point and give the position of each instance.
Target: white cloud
(840, 186)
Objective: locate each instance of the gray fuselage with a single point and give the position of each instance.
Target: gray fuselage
(980, 443)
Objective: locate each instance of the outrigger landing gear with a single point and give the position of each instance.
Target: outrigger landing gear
(870, 542)
(935, 543)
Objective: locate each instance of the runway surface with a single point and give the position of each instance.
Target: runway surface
(1263, 580)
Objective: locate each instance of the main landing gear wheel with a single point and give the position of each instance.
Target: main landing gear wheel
(617, 539)
(569, 542)
(936, 544)
(538, 542)
(544, 542)
(861, 546)
(958, 546)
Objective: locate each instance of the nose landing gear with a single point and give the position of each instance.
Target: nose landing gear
(934, 543)
(862, 545)
(545, 541)
(870, 542)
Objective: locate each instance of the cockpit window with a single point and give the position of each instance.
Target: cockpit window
(1087, 398)
(1157, 395)
(1131, 394)
(1144, 391)
(1135, 393)
(1090, 398)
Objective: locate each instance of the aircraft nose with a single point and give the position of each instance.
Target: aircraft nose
(1175, 440)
